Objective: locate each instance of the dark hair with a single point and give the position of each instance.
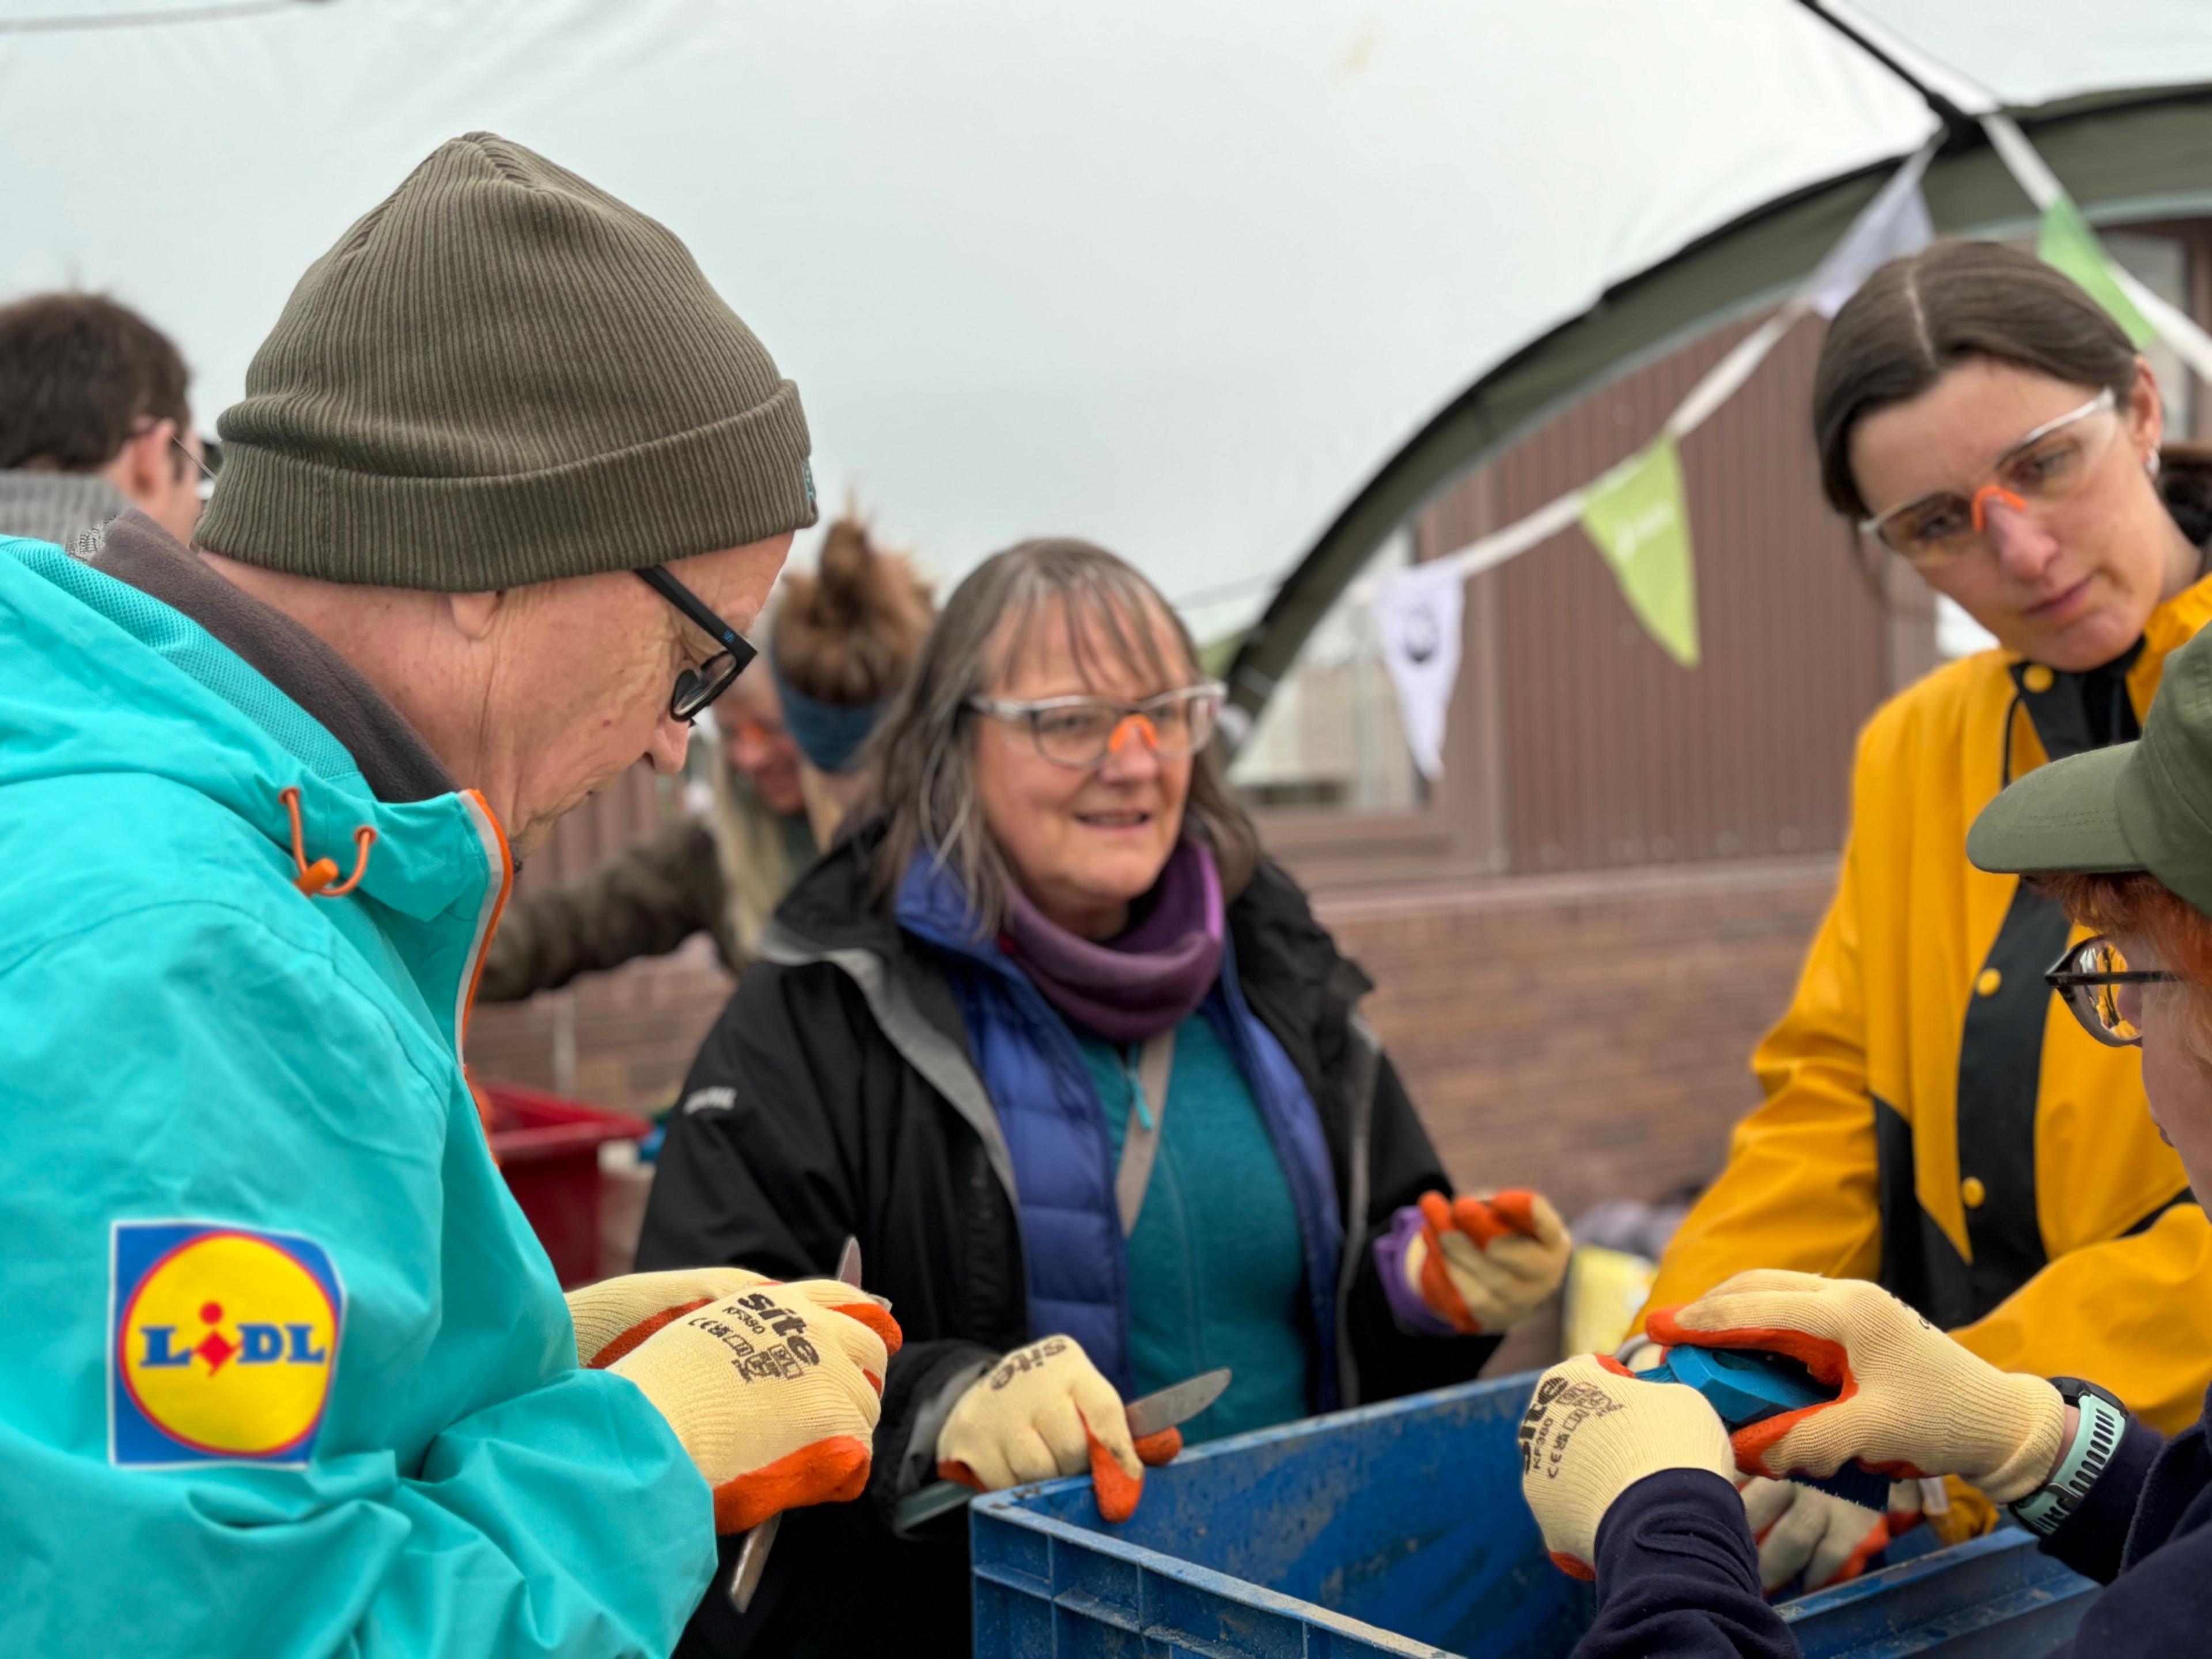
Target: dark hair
(1921, 316)
(78, 372)
(848, 635)
(924, 788)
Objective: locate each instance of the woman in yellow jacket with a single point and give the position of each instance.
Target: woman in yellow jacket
(1930, 1122)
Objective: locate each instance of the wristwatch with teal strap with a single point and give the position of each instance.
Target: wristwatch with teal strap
(2104, 1420)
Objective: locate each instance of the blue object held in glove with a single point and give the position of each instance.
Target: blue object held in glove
(1745, 1386)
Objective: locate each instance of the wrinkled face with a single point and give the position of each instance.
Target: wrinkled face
(586, 668)
(758, 744)
(2067, 583)
(1084, 844)
(2177, 1081)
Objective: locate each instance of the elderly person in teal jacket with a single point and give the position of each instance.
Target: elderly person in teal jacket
(286, 1370)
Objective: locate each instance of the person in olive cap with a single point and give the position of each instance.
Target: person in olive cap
(1636, 1480)
(288, 1370)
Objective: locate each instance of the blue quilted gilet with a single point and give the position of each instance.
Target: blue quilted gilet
(1063, 1158)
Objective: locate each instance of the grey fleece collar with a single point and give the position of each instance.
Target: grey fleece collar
(58, 507)
(394, 761)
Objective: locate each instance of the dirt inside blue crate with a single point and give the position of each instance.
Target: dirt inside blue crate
(1388, 1515)
(1408, 1517)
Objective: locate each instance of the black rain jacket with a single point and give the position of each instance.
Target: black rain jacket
(835, 1095)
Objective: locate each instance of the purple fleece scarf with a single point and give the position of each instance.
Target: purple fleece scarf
(1151, 978)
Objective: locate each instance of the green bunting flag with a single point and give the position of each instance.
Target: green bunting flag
(1640, 520)
(2067, 242)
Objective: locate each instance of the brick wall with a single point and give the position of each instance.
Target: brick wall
(1583, 1034)
(620, 1039)
(1586, 1035)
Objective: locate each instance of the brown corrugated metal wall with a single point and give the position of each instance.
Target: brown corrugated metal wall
(1595, 748)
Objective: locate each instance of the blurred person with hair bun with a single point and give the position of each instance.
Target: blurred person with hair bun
(720, 872)
(843, 643)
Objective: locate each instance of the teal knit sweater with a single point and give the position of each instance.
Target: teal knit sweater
(1217, 1273)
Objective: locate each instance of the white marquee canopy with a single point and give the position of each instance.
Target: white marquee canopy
(1177, 277)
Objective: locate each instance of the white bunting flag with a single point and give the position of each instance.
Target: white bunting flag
(1417, 612)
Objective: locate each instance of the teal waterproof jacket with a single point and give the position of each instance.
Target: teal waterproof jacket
(286, 1372)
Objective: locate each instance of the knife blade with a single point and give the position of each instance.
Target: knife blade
(1176, 1403)
(752, 1554)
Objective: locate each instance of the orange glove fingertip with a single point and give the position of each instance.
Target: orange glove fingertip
(1476, 1218)
(1117, 1490)
(877, 1319)
(951, 1469)
(832, 1471)
(1516, 1207)
(1154, 1449)
(1442, 1296)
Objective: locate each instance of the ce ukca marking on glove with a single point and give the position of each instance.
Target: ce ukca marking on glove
(1545, 1443)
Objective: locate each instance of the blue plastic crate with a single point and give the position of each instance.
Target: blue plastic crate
(1399, 1529)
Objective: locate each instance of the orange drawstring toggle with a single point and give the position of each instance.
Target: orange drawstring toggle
(1988, 492)
(314, 879)
(1140, 724)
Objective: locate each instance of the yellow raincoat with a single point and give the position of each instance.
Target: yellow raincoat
(1935, 1119)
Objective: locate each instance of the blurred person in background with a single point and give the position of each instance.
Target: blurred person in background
(1071, 1057)
(842, 642)
(1934, 1121)
(94, 421)
(1631, 1481)
(786, 765)
(721, 872)
(290, 1372)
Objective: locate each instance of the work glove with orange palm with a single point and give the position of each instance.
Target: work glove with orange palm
(1043, 1411)
(1813, 1539)
(775, 1389)
(1474, 1265)
(1910, 1402)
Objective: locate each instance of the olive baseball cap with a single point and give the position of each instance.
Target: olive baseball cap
(2144, 806)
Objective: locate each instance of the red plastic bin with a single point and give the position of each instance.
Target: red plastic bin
(549, 1150)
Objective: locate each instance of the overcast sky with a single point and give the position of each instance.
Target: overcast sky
(1174, 276)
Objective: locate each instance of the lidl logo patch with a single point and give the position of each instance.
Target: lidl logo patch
(225, 1341)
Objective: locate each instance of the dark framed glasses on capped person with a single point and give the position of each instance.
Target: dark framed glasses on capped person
(1080, 732)
(2089, 978)
(697, 687)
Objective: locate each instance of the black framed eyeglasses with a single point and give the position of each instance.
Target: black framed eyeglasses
(697, 687)
(2088, 977)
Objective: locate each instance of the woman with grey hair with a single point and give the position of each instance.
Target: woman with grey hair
(1052, 1037)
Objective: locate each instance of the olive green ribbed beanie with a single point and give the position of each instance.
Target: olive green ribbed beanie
(503, 375)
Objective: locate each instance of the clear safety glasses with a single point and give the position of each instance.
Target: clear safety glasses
(1081, 733)
(2095, 981)
(2049, 464)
